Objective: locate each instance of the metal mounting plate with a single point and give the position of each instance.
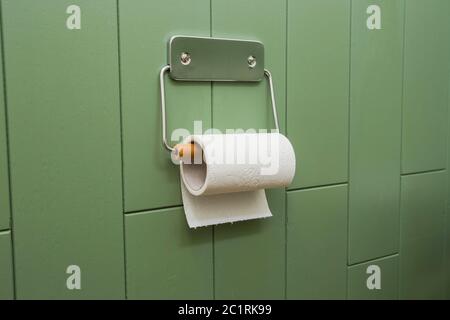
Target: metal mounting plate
(215, 59)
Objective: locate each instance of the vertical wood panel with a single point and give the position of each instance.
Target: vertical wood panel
(317, 89)
(244, 268)
(4, 184)
(64, 121)
(375, 131)
(448, 195)
(427, 49)
(358, 276)
(150, 178)
(166, 259)
(423, 207)
(6, 268)
(317, 243)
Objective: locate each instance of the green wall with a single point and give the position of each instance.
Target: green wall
(84, 179)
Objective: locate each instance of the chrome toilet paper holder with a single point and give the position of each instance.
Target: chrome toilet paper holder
(214, 59)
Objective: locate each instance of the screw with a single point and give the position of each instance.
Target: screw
(185, 58)
(251, 60)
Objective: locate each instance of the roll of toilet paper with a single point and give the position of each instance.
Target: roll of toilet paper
(225, 179)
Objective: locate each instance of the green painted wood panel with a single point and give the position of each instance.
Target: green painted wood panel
(248, 105)
(375, 131)
(64, 93)
(318, 89)
(150, 178)
(427, 49)
(249, 256)
(4, 184)
(448, 197)
(243, 267)
(6, 267)
(166, 259)
(317, 243)
(359, 274)
(423, 207)
(447, 248)
(447, 256)
(64, 124)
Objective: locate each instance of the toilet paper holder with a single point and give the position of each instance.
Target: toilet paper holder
(213, 59)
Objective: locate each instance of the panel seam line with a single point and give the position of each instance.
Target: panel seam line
(318, 186)
(373, 259)
(286, 128)
(8, 154)
(213, 234)
(402, 107)
(121, 151)
(423, 172)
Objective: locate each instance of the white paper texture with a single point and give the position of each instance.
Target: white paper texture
(229, 185)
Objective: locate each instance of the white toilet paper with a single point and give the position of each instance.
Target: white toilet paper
(226, 182)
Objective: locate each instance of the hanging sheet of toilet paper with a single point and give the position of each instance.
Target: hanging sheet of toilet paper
(226, 181)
